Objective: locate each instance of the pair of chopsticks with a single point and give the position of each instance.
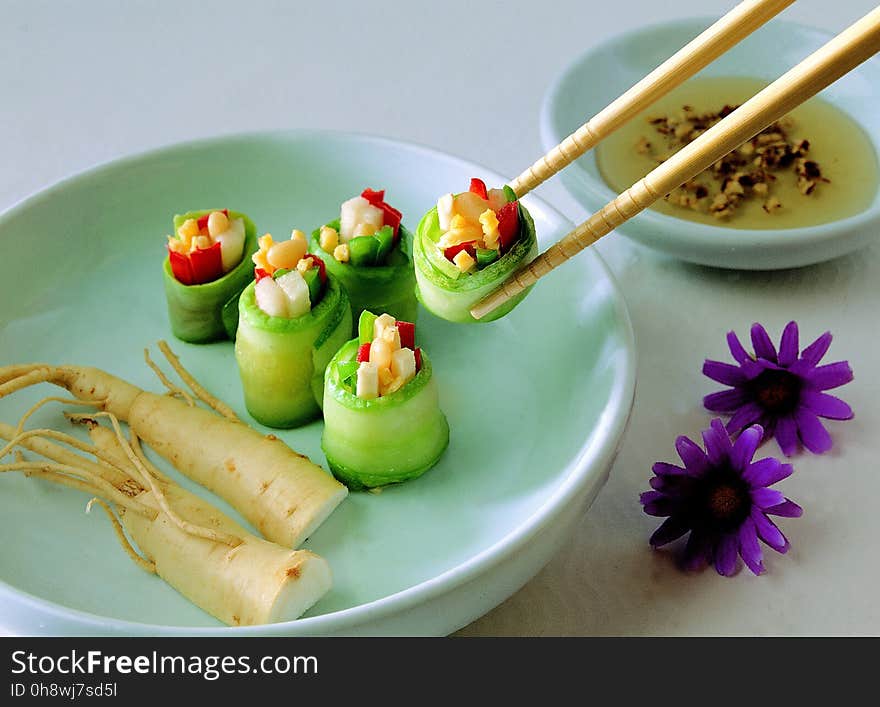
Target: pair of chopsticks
(840, 55)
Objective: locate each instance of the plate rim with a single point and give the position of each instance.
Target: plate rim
(599, 448)
(719, 241)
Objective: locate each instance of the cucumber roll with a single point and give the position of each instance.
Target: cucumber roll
(368, 250)
(208, 265)
(382, 417)
(291, 320)
(467, 246)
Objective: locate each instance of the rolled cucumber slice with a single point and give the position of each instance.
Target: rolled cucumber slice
(196, 311)
(281, 361)
(450, 295)
(379, 288)
(370, 443)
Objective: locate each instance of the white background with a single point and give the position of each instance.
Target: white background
(85, 82)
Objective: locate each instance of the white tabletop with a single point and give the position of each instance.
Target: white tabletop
(86, 82)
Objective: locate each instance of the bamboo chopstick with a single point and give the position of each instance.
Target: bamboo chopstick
(844, 52)
(737, 24)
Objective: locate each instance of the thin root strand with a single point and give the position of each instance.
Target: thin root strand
(137, 558)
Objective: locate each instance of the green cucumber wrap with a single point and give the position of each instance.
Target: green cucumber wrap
(379, 288)
(449, 293)
(281, 361)
(386, 440)
(196, 312)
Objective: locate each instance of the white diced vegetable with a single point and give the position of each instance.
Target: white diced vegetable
(297, 292)
(403, 364)
(444, 211)
(271, 298)
(380, 353)
(350, 215)
(381, 323)
(373, 216)
(497, 199)
(367, 380)
(232, 244)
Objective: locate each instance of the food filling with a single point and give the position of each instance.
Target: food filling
(206, 248)
(369, 228)
(289, 280)
(477, 226)
(387, 357)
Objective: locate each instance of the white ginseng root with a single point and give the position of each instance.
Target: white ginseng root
(210, 559)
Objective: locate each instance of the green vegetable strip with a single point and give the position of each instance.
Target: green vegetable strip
(385, 440)
(196, 312)
(281, 361)
(450, 294)
(380, 288)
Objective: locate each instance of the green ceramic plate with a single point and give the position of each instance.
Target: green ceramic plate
(537, 402)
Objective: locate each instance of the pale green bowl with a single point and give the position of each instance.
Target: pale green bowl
(537, 402)
(598, 76)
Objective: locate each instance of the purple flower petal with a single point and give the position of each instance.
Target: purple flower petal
(749, 548)
(815, 351)
(725, 400)
(786, 435)
(745, 447)
(763, 345)
(825, 405)
(658, 504)
(788, 345)
(697, 552)
(747, 415)
(724, 373)
(786, 509)
(830, 376)
(766, 472)
(670, 529)
(725, 555)
(717, 442)
(812, 432)
(695, 460)
(736, 348)
(767, 498)
(768, 532)
(664, 469)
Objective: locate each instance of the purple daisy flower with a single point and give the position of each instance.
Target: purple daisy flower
(781, 391)
(722, 498)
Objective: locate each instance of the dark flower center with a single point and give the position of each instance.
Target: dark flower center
(723, 501)
(778, 392)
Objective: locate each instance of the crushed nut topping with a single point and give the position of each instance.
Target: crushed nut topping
(746, 173)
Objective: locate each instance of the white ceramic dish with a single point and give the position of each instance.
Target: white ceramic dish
(602, 73)
(426, 557)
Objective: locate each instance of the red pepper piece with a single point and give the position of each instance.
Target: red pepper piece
(391, 216)
(322, 268)
(374, 197)
(452, 251)
(259, 274)
(407, 332)
(203, 220)
(478, 187)
(363, 352)
(207, 264)
(180, 267)
(418, 355)
(508, 224)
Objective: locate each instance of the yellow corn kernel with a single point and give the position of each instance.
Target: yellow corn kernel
(489, 222)
(365, 229)
(286, 254)
(328, 239)
(464, 261)
(217, 223)
(297, 235)
(260, 261)
(458, 222)
(304, 264)
(177, 245)
(188, 229)
(199, 243)
(341, 253)
(266, 241)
